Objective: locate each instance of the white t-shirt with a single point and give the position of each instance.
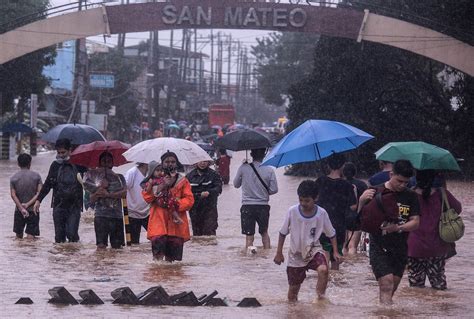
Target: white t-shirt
(137, 207)
(304, 231)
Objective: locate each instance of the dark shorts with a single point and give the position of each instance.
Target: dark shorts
(296, 275)
(135, 228)
(106, 227)
(31, 222)
(251, 214)
(385, 262)
(169, 246)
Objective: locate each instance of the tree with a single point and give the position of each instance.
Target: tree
(122, 96)
(23, 76)
(463, 123)
(394, 94)
(279, 65)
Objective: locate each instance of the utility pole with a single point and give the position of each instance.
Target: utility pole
(156, 79)
(185, 71)
(187, 42)
(195, 62)
(149, 78)
(244, 71)
(201, 74)
(211, 86)
(219, 66)
(171, 73)
(79, 73)
(239, 62)
(229, 62)
(239, 70)
(121, 36)
(181, 59)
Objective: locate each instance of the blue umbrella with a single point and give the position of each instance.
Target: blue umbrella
(16, 127)
(314, 140)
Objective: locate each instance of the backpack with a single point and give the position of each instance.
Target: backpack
(451, 225)
(374, 214)
(68, 189)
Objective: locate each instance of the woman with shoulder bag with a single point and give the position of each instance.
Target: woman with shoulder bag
(427, 252)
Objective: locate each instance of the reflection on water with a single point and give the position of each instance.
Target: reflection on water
(30, 268)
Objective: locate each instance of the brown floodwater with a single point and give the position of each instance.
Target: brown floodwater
(30, 268)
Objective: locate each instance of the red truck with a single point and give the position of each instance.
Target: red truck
(221, 114)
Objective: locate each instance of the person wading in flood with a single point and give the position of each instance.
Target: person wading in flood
(166, 235)
(25, 186)
(305, 223)
(206, 186)
(427, 252)
(67, 194)
(388, 250)
(138, 209)
(336, 196)
(107, 189)
(258, 183)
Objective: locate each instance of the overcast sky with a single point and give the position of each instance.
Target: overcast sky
(246, 37)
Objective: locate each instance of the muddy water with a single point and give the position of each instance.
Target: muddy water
(30, 268)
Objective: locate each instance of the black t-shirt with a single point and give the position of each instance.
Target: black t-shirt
(336, 196)
(406, 202)
(361, 186)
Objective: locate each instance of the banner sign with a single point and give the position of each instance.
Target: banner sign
(102, 80)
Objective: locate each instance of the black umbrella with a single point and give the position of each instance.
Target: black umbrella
(78, 134)
(207, 147)
(245, 139)
(16, 127)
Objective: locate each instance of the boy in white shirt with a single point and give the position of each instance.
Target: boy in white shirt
(306, 222)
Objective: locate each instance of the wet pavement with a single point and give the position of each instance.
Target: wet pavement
(30, 268)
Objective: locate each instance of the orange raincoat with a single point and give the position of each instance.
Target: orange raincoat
(160, 222)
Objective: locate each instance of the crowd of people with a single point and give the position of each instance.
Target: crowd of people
(320, 226)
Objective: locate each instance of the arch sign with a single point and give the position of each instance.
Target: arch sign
(231, 14)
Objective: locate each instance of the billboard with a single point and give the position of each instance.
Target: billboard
(102, 80)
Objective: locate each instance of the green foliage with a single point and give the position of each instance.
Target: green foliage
(126, 70)
(463, 122)
(283, 59)
(393, 94)
(22, 76)
(389, 93)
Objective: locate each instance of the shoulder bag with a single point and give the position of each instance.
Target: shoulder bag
(259, 177)
(451, 225)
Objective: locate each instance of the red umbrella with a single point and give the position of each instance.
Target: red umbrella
(88, 154)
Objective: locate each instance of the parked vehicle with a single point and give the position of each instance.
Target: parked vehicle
(221, 114)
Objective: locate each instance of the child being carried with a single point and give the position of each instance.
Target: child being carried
(164, 198)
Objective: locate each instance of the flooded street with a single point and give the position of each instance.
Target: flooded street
(30, 268)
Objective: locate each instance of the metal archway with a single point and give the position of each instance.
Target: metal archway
(229, 14)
